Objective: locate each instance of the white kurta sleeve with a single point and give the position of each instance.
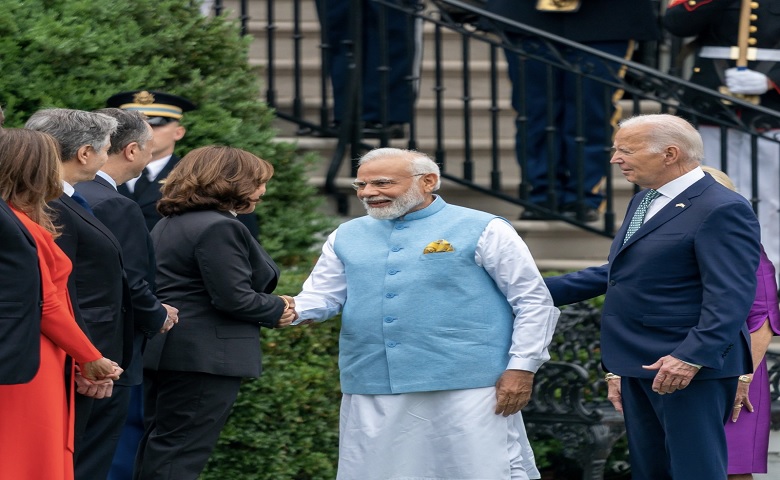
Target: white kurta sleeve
(325, 291)
(506, 258)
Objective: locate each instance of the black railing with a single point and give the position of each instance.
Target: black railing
(480, 167)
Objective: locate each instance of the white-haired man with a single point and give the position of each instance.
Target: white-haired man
(445, 320)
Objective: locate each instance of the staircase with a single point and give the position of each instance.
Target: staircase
(555, 245)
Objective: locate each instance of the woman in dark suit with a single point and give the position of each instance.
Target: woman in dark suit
(211, 268)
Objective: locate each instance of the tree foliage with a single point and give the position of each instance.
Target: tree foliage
(77, 53)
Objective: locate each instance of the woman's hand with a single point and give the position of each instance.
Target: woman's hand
(289, 314)
(101, 369)
(170, 320)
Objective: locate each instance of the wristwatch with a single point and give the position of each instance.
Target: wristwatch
(745, 378)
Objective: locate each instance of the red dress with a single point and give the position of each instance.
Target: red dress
(36, 427)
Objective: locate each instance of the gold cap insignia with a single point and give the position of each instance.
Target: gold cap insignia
(143, 97)
(558, 5)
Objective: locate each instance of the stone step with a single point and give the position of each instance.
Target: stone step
(310, 83)
(452, 121)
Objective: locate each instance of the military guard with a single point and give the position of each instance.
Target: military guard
(716, 26)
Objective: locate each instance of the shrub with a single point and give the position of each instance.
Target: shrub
(77, 53)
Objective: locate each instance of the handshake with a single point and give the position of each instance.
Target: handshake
(289, 315)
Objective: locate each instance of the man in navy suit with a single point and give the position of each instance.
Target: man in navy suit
(679, 284)
(98, 286)
(20, 301)
(130, 152)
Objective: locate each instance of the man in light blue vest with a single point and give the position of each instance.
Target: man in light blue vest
(445, 319)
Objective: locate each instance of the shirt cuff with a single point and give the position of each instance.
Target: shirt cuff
(691, 364)
(527, 364)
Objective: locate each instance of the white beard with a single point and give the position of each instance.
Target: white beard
(398, 207)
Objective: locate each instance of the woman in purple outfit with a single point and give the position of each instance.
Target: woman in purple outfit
(747, 434)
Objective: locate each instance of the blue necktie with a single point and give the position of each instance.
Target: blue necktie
(142, 183)
(639, 214)
(82, 201)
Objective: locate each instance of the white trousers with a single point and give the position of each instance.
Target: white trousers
(448, 435)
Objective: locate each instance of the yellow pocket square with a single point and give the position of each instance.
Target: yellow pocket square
(438, 246)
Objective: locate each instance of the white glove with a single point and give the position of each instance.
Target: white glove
(747, 82)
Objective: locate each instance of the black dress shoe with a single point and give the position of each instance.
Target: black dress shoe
(588, 214)
(534, 215)
(376, 129)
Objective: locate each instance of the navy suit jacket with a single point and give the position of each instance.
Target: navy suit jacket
(123, 217)
(97, 285)
(682, 285)
(20, 301)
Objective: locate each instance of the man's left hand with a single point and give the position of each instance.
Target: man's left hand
(673, 374)
(513, 391)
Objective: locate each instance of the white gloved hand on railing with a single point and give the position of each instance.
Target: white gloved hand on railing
(746, 82)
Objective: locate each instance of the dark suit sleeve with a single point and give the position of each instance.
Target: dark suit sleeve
(727, 252)
(20, 301)
(223, 254)
(578, 286)
(68, 242)
(126, 221)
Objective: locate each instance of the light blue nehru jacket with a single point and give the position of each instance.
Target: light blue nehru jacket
(415, 322)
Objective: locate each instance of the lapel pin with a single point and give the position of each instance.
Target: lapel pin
(681, 205)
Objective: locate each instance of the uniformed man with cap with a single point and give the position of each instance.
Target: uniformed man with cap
(165, 112)
(715, 24)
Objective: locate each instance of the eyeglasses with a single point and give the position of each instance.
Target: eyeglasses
(380, 184)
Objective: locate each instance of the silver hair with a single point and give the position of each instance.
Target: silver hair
(670, 130)
(132, 127)
(419, 163)
(73, 129)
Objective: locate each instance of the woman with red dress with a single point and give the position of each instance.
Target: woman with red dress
(36, 431)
